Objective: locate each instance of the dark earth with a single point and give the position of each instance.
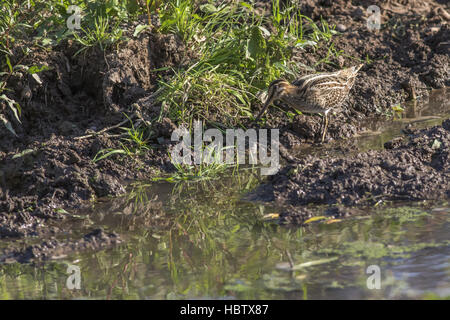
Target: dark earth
(412, 167)
(48, 167)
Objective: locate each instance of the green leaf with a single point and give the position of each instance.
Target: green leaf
(208, 8)
(397, 108)
(315, 219)
(23, 153)
(236, 228)
(46, 42)
(256, 44)
(7, 125)
(8, 62)
(140, 28)
(245, 4)
(36, 69)
(238, 96)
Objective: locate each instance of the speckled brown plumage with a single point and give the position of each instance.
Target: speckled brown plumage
(315, 93)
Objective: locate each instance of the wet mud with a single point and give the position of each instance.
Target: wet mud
(413, 167)
(46, 171)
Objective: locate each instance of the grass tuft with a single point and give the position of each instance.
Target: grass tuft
(239, 54)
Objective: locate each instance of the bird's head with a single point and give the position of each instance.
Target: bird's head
(277, 89)
(352, 71)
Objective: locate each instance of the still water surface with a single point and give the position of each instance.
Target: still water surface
(201, 240)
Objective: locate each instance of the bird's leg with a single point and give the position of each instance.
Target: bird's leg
(325, 127)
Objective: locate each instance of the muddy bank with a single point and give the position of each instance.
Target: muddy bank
(48, 166)
(56, 249)
(407, 56)
(413, 167)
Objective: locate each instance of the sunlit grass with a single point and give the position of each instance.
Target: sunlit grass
(237, 57)
(236, 51)
(103, 35)
(135, 141)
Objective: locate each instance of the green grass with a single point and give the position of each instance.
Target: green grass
(211, 166)
(134, 143)
(237, 57)
(102, 35)
(236, 53)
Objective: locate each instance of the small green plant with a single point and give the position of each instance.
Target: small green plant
(397, 111)
(237, 57)
(178, 17)
(211, 166)
(134, 142)
(102, 35)
(203, 93)
(197, 172)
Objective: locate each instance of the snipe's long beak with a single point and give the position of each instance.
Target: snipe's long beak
(266, 105)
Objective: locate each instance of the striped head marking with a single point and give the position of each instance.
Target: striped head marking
(275, 91)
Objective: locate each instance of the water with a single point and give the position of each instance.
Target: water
(201, 240)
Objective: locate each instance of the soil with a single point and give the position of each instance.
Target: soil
(48, 166)
(412, 167)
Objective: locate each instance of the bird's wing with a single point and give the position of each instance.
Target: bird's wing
(304, 82)
(327, 97)
(314, 97)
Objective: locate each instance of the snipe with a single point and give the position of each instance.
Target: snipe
(314, 93)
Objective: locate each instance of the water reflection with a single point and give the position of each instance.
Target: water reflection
(199, 240)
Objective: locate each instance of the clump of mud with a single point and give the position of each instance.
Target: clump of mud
(414, 167)
(48, 166)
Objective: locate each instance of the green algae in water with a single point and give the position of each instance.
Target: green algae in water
(388, 219)
(200, 240)
(376, 250)
(403, 214)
